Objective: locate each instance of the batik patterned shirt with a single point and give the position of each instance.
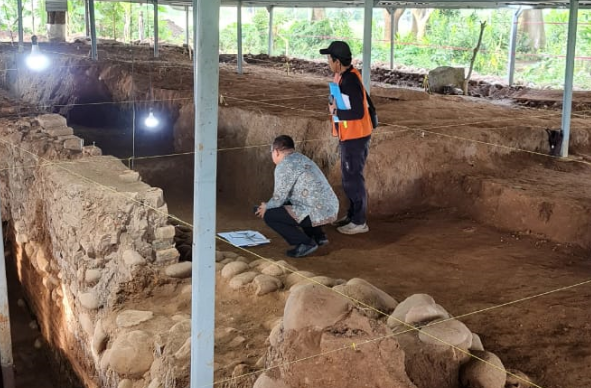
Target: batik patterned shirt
(301, 185)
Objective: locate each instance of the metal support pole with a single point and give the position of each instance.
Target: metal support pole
(6, 360)
(86, 22)
(206, 17)
(21, 39)
(270, 49)
(187, 26)
(512, 47)
(93, 49)
(392, 11)
(239, 36)
(367, 21)
(156, 54)
(567, 97)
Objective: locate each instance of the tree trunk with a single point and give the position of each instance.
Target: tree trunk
(420, 19)
(318, 14)
(127, 27)
(388, 27)
(56, 26)
(532, 25)
(140, 26)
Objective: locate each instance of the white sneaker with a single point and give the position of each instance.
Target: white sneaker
(352, 228)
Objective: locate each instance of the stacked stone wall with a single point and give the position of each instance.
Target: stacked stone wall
(87, 235)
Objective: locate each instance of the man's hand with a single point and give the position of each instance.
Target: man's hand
(261, 210)
(332, 108)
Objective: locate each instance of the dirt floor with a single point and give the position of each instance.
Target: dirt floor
(495, 281)
(528, 298)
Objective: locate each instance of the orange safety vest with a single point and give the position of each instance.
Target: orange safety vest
(354, 129)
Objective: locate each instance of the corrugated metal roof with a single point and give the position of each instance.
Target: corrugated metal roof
(483, 4)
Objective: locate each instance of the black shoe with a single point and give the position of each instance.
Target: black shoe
(321, 240)
(302, 250)
(341, 221)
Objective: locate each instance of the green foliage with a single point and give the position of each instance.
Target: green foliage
(450, 40)
(450, 36)
(76, 14)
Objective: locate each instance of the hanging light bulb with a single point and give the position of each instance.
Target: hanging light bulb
(36, 61)
(151, 120)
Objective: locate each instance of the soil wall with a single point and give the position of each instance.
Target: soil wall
(407, 168)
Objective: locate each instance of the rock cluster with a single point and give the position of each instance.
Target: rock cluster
(423, 344)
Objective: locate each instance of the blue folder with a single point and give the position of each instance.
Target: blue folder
(335, 91)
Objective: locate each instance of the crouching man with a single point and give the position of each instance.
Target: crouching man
(302, 200)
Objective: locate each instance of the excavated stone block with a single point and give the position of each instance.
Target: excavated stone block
(126, 383)
(445, 333)
(234, 268)
(154, 197)
(89, 300)
(99, 338)
(52, 120)
(399, 315)
(131, 258)
(160, 245)
(443, 76)
(266, 284)
(179, 270)
(92, 276)
(476, 343)
(131, 354)
(92, 151)
(314, 306)
(478, 374)
(129, 176)
(165, 232)
(74, 144)
(167, 255)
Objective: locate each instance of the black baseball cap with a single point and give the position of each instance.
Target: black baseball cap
(338, 49)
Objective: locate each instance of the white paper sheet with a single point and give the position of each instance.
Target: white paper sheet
(245, 238)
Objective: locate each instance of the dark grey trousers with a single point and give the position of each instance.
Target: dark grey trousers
(353, 156)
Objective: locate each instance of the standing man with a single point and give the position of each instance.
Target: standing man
(353, 129)
(302, 200)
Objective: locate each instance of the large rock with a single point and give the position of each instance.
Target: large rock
(234, 268)
(425, 313)
(431, 366)
(445, 76)
(99, 338)
(74, 144)
(279, 268)
(373, 301)
(242, 279)
(89, 300)
(314, 306)
(179, 270)
(322, 324)
(132, 354)
(479, 374)
(397, 318)
(266, 283)
(445, 333)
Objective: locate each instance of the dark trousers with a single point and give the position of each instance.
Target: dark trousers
(283, 223)
(353, 156)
